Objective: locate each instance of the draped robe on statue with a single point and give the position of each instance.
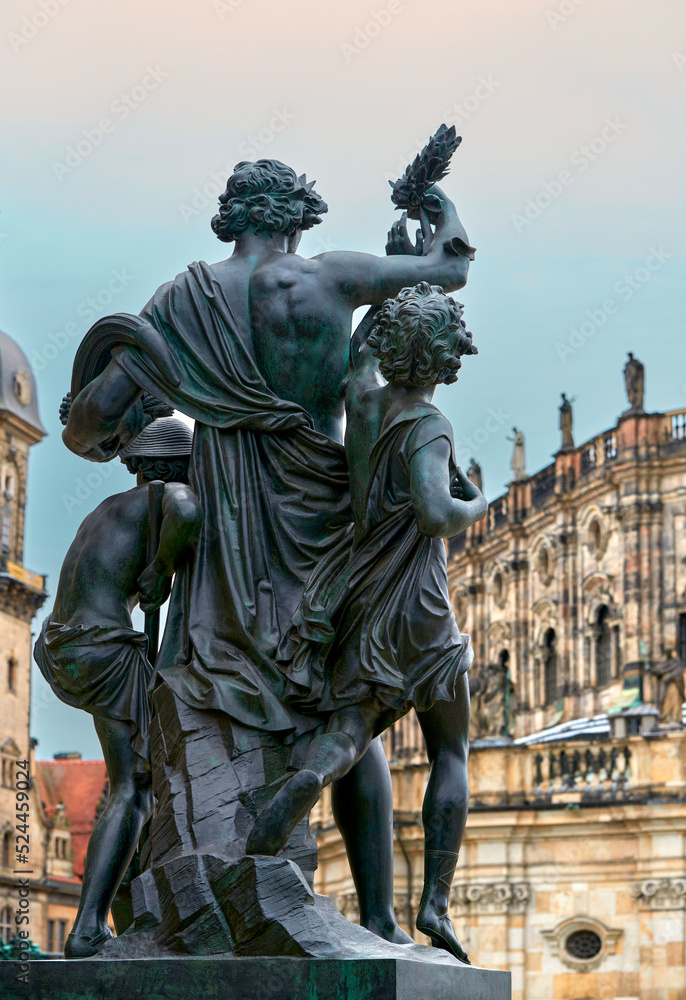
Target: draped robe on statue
(275, 496)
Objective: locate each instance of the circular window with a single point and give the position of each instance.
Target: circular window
(583, 945)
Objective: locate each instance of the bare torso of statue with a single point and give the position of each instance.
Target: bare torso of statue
(100, 578)
(301, 331)
(98, 582)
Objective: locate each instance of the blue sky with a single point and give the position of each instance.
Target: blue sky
(121, 120)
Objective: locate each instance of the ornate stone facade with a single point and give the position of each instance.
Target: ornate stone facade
(578, 576)
(573, 869)
(54, 888)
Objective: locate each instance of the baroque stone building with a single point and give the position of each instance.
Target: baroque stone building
(573, 588)
(55, 856)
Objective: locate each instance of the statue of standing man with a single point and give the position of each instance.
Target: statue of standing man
(566, 423)
(475, 474)
(518, 463)
(634, 377)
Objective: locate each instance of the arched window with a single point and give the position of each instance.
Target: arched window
(5, 534)
(12, 674)
(6, 928)
(7, 849)
(550, 669)
(603, 647)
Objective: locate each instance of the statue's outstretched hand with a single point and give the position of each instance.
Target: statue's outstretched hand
(153, 589)
(462, 488)
(399, 241)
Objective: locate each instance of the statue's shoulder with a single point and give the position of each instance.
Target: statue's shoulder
(197, 272)
(120, 507)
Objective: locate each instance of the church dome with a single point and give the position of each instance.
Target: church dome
(17, 385)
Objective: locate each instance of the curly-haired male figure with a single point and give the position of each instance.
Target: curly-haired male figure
(377, 636)
(93, 658)
(260, 344)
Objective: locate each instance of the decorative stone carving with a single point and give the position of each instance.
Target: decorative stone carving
(661, 893)
(545, 617)
(566, 419)
(518, 463)
(499, 635)
(475, 474)
(492, 695)
(494, 897)
(671, 690)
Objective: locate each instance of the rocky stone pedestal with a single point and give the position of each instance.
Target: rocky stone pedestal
(250, 978)
(198, 893)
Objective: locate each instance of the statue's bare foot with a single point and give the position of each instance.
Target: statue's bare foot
(439, 928)
(85, 945)
(389, 929)
(277, 821)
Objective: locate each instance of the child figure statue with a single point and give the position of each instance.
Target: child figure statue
(94, 659)
(375, 634)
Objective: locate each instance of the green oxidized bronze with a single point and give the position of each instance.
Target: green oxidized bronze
(309, 608)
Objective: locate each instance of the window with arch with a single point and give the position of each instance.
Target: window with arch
(12, 674)
(603, 647)
(499, 589)
(6, 928)
(596, 540)
(8, 483)
(7, 849)
(5, 533)
(545, 565)
(550, 667)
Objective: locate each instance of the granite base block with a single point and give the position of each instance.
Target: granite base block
(188, 978)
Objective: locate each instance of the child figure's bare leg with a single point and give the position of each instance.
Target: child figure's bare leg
(362, 802)
(112, 842)
(444, 814)
(329, 756)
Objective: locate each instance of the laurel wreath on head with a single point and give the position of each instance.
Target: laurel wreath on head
(429, 166)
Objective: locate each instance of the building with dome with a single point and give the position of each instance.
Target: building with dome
(63, 795)
(572, 873)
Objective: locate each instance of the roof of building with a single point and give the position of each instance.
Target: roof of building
(586, 728)
(80, 786)
(575, 729)
(17, 384)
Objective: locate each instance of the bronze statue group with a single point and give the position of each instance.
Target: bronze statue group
(302, 528)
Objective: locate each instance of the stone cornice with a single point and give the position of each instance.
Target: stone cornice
(18, 599)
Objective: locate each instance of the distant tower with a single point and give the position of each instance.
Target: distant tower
(21, 591)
